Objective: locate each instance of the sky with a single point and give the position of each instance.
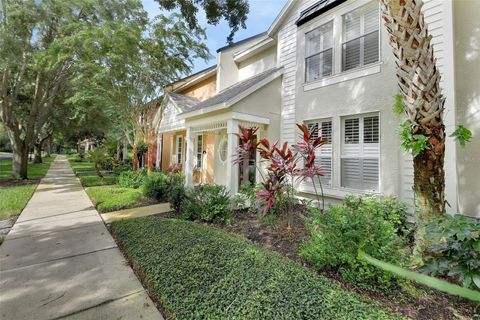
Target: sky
(262, 13)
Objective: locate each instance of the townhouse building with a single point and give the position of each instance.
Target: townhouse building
(328, 63)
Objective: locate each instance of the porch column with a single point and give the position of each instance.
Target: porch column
(189, 157)
(232, 169)
(159, 151)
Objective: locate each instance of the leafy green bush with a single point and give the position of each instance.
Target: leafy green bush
(112, 198)
(132, 179)
(388, 207)
(206, 203)
(155, 185)
(338, 234)
(245, 198)
(121, 167)
(201, 272)
(176, 191)
(453, 249)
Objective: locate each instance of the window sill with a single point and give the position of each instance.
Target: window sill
(340, 193)
(344, 76)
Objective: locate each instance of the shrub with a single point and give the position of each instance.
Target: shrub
(453, 249)
(132, 179)
(338, 234)
(176, 191)
(206, 273)
(245, 198)
(206, 203)
(388, 207)
(121, 167)
(155, 185)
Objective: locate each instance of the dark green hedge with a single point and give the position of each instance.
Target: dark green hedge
(201, 272)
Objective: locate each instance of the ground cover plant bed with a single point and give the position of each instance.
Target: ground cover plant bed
(197, 271)
(413, 301)
(113, 198)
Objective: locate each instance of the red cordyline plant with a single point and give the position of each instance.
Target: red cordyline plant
(283, 162)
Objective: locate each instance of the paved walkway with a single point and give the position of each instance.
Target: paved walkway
(136, 212)
(60, 262)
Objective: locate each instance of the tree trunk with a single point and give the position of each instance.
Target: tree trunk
(20, 160)
(119, 151)
(125, 150)
(135, 157)
(150, 157)
(245, 173)
(37, 153)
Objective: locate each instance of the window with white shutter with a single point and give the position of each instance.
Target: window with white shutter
(199, 151)
(319, 52)
(360, 37)
(325, 152)
(360, 152)
(179, 149)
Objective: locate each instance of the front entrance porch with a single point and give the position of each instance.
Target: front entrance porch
(211, 144)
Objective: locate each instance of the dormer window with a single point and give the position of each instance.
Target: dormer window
(319, 52)
(360, 37)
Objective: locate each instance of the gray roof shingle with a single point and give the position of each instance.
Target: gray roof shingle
(234, 90)
(184, 103)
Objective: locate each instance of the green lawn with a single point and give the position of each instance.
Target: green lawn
(35, 171)
(112, 198)
(201, 272)
(14, 196)
(90, 178)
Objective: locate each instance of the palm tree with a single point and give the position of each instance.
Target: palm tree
(419, 82)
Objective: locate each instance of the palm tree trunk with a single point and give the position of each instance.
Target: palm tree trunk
(419, 83)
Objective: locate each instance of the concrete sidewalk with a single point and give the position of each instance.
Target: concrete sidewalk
(60, 262)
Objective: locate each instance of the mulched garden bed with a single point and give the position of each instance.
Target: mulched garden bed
(421, 303)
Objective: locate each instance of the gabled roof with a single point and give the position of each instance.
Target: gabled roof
(236, 92)
(231, 45)
(184, 103)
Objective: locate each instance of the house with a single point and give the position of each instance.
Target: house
(328, 63)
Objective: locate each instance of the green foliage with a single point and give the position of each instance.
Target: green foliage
(423, 279)
(462, 135)
(200, 272)
(245, 198)
(98, 157)
(132, 179)
(112, 198)
(176, 191)
(206, 203)
(389, 208)
(398, 105)
(121, 167)
(454, 249)
(234, 12)
(342, 230)
(155, 185)
(413, 143)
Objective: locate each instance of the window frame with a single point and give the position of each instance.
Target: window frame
(320, 53)
(337, 74)
(361, 155)
(179, 149)
(318, 154)
(199, 153)
(361, 37)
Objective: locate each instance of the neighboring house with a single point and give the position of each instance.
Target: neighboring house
(329, 64)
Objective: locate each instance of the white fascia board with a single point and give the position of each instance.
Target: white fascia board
(254, 88)
(250, 118)
(279, 19)
(202, 111)
(196, 80)
(253, 50)
(209, 120)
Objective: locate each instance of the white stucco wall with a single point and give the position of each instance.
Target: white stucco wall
(467, 89)
(258, 63)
